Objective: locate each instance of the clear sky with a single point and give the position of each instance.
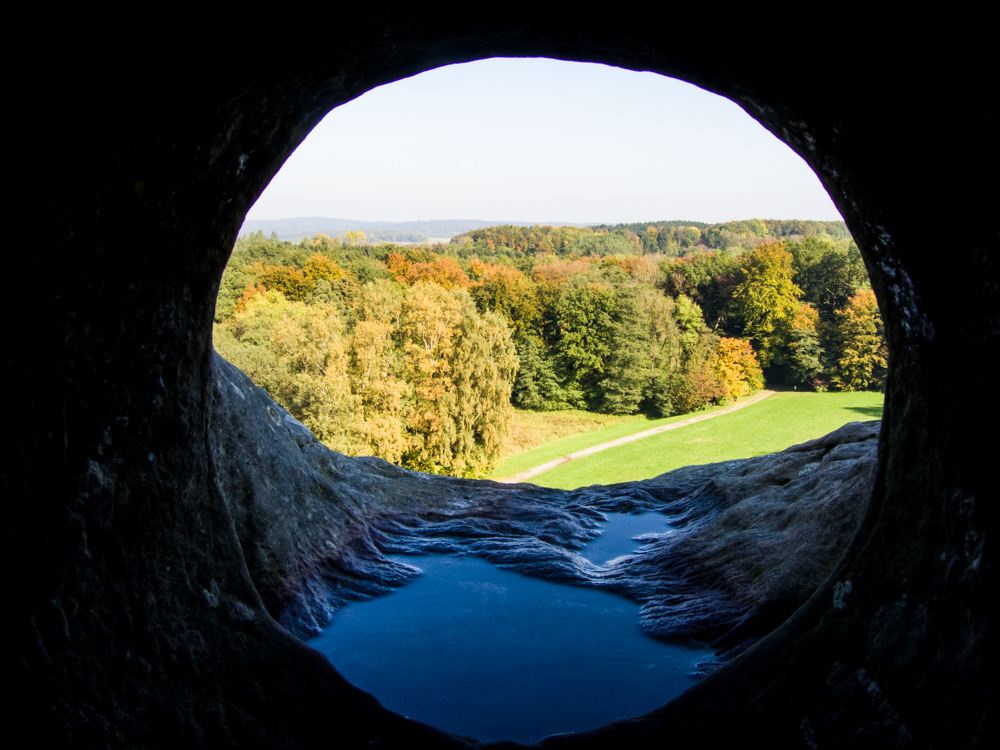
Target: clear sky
(543, 141)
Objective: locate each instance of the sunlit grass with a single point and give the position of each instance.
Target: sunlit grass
(532, 429)
(783, 420)
(571, 431)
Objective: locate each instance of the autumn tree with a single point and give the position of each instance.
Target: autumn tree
(738, 368)
(354, 237)
(444, 272)
(295, 352)
(697, 383)
(293, 284)
(509, 292)
(766, 297)
(320, 266)
(861, 361)
(461, 367)
(376, 371)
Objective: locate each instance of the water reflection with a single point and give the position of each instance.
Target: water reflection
(489, 653)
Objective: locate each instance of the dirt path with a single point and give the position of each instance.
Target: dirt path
(533, 472)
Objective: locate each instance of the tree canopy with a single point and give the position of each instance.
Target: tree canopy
(417, 353)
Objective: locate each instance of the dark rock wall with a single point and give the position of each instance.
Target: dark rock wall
(134, 619)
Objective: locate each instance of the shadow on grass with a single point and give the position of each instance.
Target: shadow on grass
(875, 412)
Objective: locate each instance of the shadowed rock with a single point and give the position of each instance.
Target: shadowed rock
(134, 613)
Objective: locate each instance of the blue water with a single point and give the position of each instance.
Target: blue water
(618, 536)
(493, 654)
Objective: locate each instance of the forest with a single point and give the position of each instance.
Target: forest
(418, 354)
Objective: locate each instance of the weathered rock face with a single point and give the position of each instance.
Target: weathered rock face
(136, 614)
(309, 518)
(753, 538)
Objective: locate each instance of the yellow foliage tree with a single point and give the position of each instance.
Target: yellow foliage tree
(862, 363)
(461, 367)
(738, 368)
(429, 328)
(320, 266)
(375, 371)
(296, 353)
(765, 296)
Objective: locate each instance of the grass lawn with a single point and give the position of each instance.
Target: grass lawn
(533, 429)
(777, 422)
(584, 436)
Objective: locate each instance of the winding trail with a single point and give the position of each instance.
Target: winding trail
(535, 471)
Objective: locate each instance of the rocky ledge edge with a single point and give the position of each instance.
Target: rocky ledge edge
(751, 539)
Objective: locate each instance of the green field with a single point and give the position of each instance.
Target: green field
(585, 438)
(780, 421)
(533, 429)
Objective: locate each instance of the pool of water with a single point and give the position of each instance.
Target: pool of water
(618, 536)
(493, 654)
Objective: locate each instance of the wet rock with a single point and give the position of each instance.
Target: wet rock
(752, 539)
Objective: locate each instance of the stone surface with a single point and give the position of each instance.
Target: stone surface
(754, 538)
(133, 612)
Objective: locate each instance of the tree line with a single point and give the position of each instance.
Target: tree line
(416, 354)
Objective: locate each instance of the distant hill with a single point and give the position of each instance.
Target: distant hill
(400, 231)
(719, 236)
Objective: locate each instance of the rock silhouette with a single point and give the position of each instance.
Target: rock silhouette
(142, 549)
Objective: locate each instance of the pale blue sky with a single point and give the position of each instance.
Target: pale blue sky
(543, 141)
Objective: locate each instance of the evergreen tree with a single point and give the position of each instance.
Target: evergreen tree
(537, 386)
(806, 353)
(627, 365)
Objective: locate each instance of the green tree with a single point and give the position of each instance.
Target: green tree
(309, 342)
(536, 385)
(627, 364)
(708, 278)
(806, 360)
(828, 275)
(585, 322)
(665, 353)
(484, 367)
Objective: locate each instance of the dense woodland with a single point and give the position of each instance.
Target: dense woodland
(417, 353)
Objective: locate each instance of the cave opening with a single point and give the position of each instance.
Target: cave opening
(316, 182)
(138, 620)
